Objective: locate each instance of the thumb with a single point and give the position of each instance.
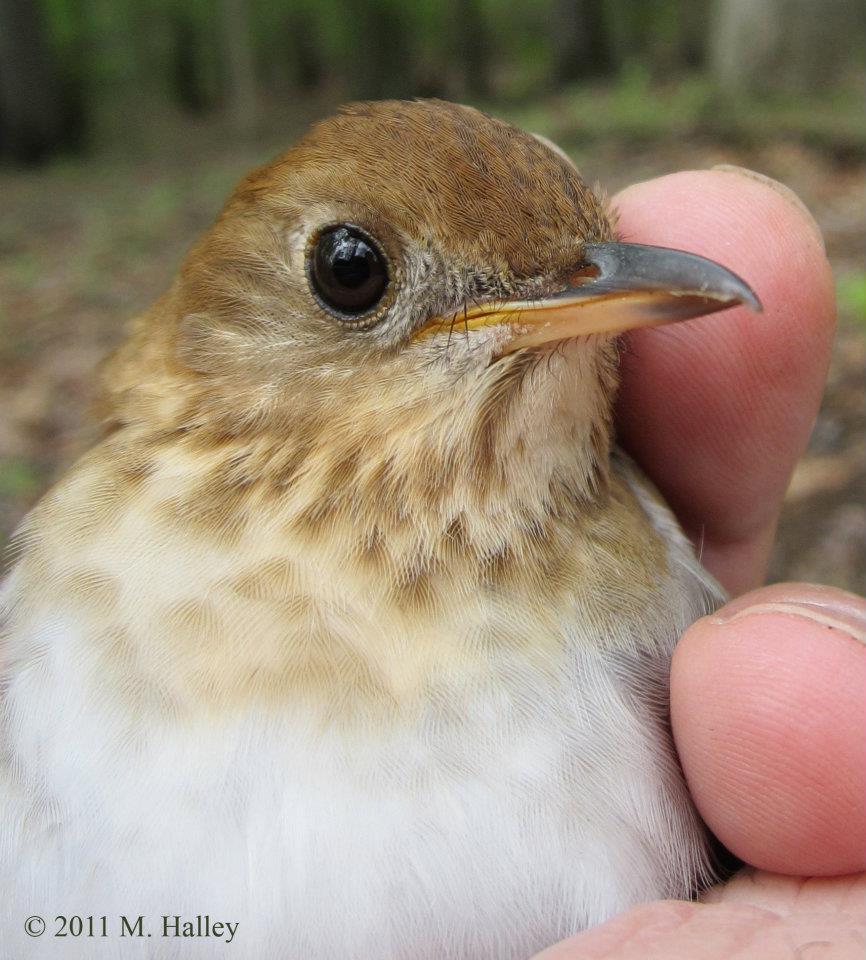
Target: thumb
(768, 705)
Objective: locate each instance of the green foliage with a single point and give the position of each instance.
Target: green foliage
(19, 478)
(851, 294)
(128, 67)
(635, 108)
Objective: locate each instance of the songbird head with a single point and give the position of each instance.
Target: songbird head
(414, 293)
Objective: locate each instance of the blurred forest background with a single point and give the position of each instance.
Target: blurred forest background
(124, 124)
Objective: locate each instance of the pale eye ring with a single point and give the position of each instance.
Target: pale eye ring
(347, 270)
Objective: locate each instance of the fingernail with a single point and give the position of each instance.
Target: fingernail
(784, 191)
(825, 605)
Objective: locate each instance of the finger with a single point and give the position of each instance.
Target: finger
(768, 705)
(718, 410)
(754, 918)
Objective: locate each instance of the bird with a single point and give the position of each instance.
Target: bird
(351, 634)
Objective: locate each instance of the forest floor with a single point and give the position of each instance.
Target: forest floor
(86, 244)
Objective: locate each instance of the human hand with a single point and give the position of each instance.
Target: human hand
(768, 696)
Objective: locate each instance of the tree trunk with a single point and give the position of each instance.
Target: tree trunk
(792, 46)
(472, 47)
(31, 109)
(579, 40)
(382, 56)
(240, 75)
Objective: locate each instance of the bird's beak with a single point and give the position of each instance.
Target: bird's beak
(617, 286)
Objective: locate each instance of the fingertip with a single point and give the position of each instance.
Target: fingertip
(717, 410)
(769, 717)
(759, 229)
(784, 191)
(742, 207)
(755, 226)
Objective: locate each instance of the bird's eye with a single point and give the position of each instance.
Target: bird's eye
(348, 271)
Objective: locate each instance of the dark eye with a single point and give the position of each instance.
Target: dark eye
(348, 271)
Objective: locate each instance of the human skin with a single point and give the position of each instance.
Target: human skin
(768, 696)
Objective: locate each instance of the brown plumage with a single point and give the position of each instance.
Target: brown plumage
(328, 524)
(271, 408)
